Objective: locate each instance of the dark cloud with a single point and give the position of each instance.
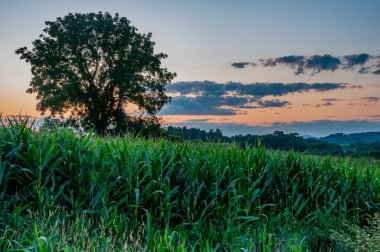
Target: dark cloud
(201, 120)
(365, 70)
(375, 116)
(273, 103)
(268, 62)
(322, 87)
(331, 99)
(206, 88)
(211, 98)
(215, 105)
(291, 60)
(357, 86)
(327, 104)
(296, 62)
(371, 98)
(355, 59)
(317, 63)
(203, 105)
(242, 64)
(377, 71)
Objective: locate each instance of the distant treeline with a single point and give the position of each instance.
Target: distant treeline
(279, 140)
(360, 149)
(365, 144)
(340, 138)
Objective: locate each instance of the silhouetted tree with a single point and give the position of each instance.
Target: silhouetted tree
(93, 65)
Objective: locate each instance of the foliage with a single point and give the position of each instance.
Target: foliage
(344, 139)
(94, 65)
(365, 238)
(197, 134)
(143, 126)
(361, 149)
(277, 140)
(51, 123)
(318, 147)
(60, 191)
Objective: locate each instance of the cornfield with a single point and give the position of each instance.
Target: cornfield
(60, 191)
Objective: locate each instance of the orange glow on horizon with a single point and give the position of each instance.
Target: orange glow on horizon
(306, 106)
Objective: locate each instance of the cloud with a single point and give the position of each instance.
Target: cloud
(317, 63)
(355, 59)
(315, 128)
(199, 120)
(268, 62)
(215, 105)
(331, 99)
(291, 60)
(273, 103)
(202, 105)
(211, 98)
(357, 86)
(207, 88)
(241, 65)
(327, 104)
(377, 71)
(371, 98)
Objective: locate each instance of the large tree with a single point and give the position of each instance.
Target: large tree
(92, 66)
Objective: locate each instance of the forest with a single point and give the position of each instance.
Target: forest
(279, 140)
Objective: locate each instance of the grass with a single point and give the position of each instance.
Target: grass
(65, 192)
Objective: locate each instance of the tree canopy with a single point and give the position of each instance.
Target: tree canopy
(92, 66)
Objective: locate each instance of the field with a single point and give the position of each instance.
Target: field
(62, 192)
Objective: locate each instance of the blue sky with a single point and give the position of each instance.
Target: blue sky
(203, 39)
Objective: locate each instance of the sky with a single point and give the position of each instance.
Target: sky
(311, 67)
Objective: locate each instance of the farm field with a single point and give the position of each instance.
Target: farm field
(189, 126)
(60, 191)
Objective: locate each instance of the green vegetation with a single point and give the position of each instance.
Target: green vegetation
(357, 145)
(93, 65)
(277, 140)
(60, 191)
(361, 149)
(345, 139)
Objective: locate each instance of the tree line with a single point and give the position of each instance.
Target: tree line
(278, 140)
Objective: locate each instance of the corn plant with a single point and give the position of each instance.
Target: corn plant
(154, 194)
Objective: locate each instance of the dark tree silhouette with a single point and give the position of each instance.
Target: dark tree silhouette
(93, 66)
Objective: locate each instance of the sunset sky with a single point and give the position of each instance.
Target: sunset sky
(311, 67)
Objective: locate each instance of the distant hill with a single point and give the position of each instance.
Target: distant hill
(341, 138)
